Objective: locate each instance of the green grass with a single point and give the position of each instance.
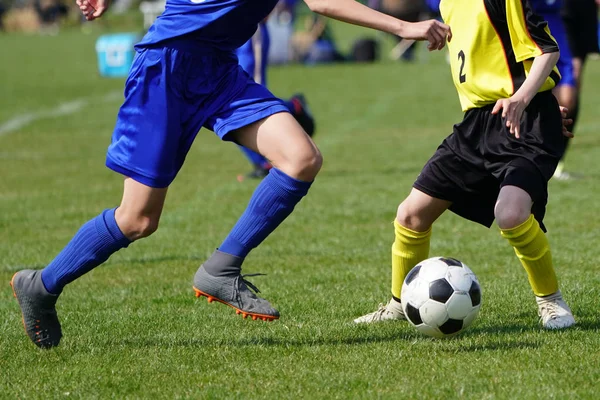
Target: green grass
(133, 328)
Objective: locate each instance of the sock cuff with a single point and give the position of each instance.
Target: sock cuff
(110, 227)
(411, 236)
(285, 185)
(520, 230)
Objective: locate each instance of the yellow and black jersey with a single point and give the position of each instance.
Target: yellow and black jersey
(493, 46)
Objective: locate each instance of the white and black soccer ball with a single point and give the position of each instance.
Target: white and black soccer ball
(441, 296)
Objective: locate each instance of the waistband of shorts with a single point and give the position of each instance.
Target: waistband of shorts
(194, 48)
(546, 94)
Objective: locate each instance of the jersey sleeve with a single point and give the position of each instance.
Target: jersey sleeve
(529, 33)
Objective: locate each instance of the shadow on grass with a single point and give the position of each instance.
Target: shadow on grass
(489, 338)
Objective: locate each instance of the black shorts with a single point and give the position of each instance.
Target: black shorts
(581, 24)
(481, 156)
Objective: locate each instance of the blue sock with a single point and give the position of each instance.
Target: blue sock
(95, 241)
(256, 159)
(273, 200)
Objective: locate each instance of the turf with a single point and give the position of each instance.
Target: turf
(133, 328)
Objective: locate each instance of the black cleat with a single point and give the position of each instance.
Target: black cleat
(302, 114)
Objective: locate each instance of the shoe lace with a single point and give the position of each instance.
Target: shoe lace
(250, 284)
(376, 315)
(549, 310)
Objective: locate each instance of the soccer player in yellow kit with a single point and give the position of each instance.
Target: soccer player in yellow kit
(497, 162)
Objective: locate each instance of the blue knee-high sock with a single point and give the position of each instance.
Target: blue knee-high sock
(273, 200)
(95, 241)
(256, 159)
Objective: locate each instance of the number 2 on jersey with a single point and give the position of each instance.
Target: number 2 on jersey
(461, 76)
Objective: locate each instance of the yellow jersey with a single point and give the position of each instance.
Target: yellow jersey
(493, 46)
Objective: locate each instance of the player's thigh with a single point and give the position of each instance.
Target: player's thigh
(141, 207)
(282, 140)
(566, 96)
(420, 210)
(155, 125)
(254, 118)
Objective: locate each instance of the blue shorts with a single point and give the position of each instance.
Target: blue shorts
(565, 62)
(170, 94)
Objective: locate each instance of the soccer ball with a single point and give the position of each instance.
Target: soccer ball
(441, 296)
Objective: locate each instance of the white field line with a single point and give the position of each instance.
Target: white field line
(62, 109)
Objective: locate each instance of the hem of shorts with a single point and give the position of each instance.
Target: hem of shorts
(223, 130)
(157, 183)
(569, 83)
(431, 193)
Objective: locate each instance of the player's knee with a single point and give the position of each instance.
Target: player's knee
(136, 227)
(510, 216)
(305, 166)
(410, 219)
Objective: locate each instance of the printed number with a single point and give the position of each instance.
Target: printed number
(461, 76)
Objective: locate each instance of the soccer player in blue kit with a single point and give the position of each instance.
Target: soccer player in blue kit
(566, 90)
(253, 58)
(185, 76)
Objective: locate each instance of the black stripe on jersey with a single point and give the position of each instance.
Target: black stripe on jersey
(555, 77)
(496, 11)
(536, 27)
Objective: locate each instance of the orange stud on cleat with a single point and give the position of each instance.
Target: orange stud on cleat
(244, 315)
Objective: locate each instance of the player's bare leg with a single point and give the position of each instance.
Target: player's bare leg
(567, 96)
(139, 213)
(523, 232)
(414, 219)
(296, 162)
(38, 291)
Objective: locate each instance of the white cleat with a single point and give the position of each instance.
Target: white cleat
(554, 312)
(388, 312)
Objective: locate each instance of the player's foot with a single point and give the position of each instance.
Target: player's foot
(554, 312)
(302, 114)
(256, 173)
(561, 175)
(235, 292)
(390, 311)
(38, 308)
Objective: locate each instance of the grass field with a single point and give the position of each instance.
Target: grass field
(133, 328)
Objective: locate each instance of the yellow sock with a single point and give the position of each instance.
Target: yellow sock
(409, 249)
(532, 248)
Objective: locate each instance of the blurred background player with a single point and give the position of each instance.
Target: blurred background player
(566, 90)
(186, 68)
(580, 18)
(408, 10)
(253, 57)
(497, 162)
